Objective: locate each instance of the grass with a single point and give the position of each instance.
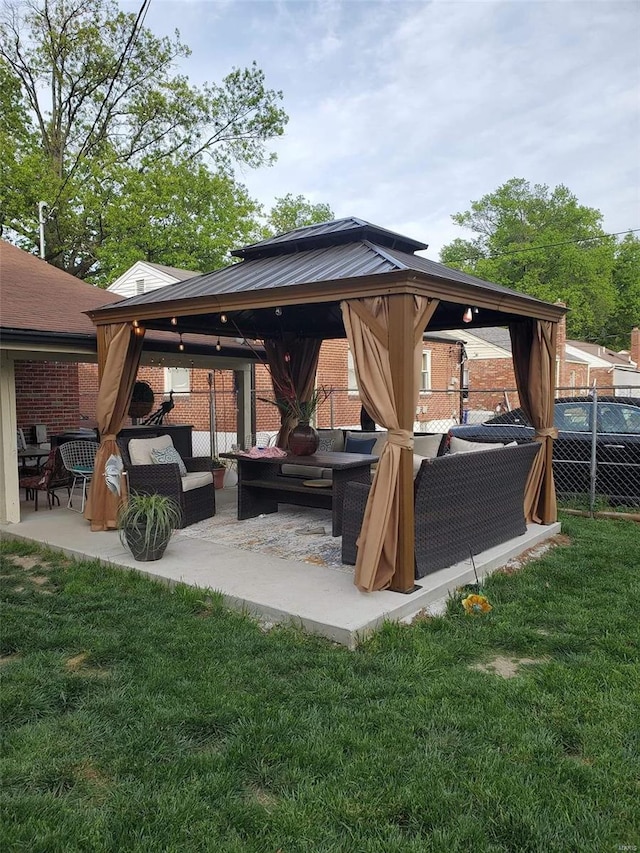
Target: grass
(136, 718)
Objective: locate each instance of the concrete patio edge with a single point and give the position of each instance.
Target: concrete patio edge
(317, 599)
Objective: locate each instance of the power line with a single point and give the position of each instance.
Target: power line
(137, 26)
(550, 245)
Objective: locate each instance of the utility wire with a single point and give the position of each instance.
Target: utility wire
(550, 245)
(121, 60)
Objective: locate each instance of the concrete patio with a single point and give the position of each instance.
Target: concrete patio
(317, 598)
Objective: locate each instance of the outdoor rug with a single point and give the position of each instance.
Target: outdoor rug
(292, 533)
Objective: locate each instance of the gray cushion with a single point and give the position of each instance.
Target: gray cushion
(167, 455)
(427, 445)
(461, 445)
(330, 440)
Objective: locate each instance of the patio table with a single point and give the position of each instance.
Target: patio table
(262, 486)
(36, 453)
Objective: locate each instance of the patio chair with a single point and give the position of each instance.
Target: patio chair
(153, 466)
(79, 458)
(53, 476)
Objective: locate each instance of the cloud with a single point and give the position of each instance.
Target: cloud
(405, 112)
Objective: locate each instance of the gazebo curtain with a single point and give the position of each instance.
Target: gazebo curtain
(367, 325)
(533, 348)
(293, 363)
(119, 349)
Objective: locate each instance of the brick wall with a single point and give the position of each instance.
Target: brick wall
(635, 346)
(47, 393)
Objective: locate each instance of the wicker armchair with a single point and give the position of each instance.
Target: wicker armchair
(464, 502)
(195, 495)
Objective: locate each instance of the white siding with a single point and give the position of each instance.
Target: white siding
(126, 285)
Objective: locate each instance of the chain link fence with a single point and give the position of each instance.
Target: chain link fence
(596, 454)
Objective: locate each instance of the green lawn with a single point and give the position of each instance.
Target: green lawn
(136, 718)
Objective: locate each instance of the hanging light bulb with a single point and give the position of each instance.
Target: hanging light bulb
(174, 321)
(135, 324)
(476, 310)
(223, 318)
(467, 317)
(218, 345)
(181, 344)
(278, 312)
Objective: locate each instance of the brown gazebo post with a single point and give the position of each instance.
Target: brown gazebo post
(401, 357)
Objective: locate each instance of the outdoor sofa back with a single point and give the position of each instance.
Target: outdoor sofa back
(465, 503)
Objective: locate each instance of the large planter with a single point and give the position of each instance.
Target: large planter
(303, 440)
(146, 523)
(141, 548)
(218, 477)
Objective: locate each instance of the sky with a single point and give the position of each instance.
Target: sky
(403, 113)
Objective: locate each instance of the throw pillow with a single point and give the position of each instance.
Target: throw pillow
(460, 445)
(359, 445)
(427, 445)
(167, 455)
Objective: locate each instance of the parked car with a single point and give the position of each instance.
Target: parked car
(617, 444)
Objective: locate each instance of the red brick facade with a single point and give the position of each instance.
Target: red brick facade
(59, 393)
(47, 393)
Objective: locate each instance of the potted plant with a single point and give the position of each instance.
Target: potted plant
(219, 470)
(146, 523)
(303, 438)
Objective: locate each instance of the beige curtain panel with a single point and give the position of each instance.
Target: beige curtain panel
(534, 359)
(367, 325)
(119, 349)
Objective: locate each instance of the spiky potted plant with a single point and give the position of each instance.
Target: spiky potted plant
(146, 523)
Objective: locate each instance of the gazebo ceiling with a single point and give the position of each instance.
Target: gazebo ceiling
(294, 283)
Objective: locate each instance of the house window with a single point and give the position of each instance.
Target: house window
(139, 286)
(352, 382)
(425, 378)
(177, 379)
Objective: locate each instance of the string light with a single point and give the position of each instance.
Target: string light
(223, 318)
(135, 324)
(278, 312)
(467, 317)
(287, 357)
(174, 321)
(181, 344)
(218, 345)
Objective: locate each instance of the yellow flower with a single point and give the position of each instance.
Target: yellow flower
(476, 604)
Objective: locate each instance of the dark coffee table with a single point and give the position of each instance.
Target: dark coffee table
(262, 486)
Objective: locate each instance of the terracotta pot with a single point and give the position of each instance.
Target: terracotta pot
(218, 478)
(303, 440)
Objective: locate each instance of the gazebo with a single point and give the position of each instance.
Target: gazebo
(345, 278)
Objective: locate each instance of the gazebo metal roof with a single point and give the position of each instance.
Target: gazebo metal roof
(321, 264)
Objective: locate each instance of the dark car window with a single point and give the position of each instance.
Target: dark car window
(573, 417)
(615, 417)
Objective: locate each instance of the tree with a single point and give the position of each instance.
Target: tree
(545, 244)
(291, 212)
(98, 99)
(186, 217)
(626, 280)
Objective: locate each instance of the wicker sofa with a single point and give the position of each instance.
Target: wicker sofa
(194, 493)
(464, 503)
